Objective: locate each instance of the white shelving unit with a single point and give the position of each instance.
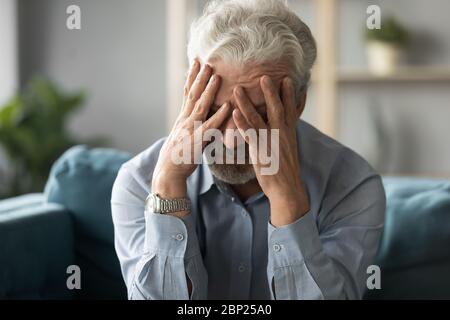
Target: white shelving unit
(405, 74)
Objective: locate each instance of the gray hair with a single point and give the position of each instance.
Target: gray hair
(254, 31)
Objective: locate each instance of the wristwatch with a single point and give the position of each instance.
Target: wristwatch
(154, 203)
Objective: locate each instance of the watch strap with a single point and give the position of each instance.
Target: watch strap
(174, 205)
(156, 204)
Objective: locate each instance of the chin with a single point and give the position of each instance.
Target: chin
(233, 173)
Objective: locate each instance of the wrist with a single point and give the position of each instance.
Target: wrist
(169, 187)
(287, 210)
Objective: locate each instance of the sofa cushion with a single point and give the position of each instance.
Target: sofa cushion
(81, 180)
(36, 248)
(414, 255)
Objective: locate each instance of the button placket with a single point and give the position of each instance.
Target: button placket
(240, 287)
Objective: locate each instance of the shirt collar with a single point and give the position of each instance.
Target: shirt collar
(207, 180)
(205, 177)
(201, 180)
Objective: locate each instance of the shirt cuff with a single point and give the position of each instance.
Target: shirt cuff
(170, 235)
(293, 243)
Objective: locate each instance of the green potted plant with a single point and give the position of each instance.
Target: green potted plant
(33, 135)
(384, 46)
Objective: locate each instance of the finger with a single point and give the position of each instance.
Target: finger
(200, 82)
(203, 105)
(217, 118)
(243, 126)
(288, 99)
(240, 121)
(192, 74)
(247, 109)
(198, 86)
(275, 109)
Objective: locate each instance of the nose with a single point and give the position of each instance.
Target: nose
(231, 137)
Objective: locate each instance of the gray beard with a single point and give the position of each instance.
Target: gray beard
(233, 173)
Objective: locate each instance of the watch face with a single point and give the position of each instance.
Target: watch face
(151, 203)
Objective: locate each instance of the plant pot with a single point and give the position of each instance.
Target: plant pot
(383, 58)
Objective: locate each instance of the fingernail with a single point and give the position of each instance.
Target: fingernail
(266, 80)
(195, 65)
(239, 91)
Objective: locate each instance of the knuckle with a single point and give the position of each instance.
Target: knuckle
(191, 96)
(208, 90)
(200, 108)
(201, 77)
(196, 82)
(272, 94)
(206, 125)
(186, 126)
(254, 118)
(277, 116)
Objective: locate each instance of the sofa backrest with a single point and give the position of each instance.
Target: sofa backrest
(414, 254)
(81, 180)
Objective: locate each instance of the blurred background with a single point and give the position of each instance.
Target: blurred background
(117, 82)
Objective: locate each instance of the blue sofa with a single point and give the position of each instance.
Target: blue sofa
(70, 224)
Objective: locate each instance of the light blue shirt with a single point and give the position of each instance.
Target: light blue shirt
(229, 249)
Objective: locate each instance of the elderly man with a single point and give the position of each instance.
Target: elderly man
(218, 230)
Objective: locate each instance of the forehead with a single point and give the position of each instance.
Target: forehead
(247, 77)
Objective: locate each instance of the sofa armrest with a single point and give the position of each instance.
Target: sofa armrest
(36, 248)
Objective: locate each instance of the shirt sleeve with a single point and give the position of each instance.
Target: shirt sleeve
(330, 262)
(156, 252)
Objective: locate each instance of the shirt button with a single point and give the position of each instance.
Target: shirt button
(244, 213)
(179, 237)
(241, 268)
(232, 199)
(276, 247)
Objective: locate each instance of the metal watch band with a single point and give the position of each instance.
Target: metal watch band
(154, 203)
(175, 205)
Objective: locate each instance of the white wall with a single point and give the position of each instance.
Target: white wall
(118, 56)
(8, 50)
(9, 76)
